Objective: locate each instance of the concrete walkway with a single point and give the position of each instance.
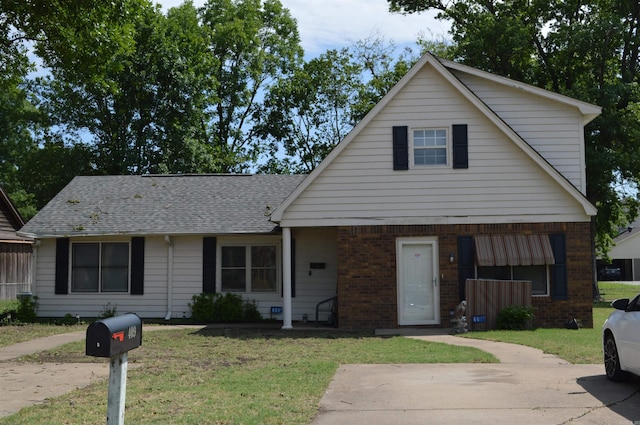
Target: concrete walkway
(526, 387)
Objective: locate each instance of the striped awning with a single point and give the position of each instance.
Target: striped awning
(513, 250)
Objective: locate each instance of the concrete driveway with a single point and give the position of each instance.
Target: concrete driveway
(527, 387)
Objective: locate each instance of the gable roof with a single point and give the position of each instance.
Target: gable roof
(589, 111)
(163, 204)
(10, 220)
(444, 69)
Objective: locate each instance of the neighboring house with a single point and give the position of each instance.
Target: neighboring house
(456, 174)
(15, 252)
(625, 255)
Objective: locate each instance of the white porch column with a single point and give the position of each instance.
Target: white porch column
(286, 278)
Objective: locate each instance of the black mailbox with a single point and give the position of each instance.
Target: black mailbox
(114, 335)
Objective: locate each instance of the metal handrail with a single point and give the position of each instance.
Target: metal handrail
(335, 297)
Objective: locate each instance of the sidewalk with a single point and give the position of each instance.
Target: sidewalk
(24, 384)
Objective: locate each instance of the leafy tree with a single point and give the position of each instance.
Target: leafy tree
(381, 70)
(144, 115)
(256, 44)
(60, 29)
(587, 49)
(325, 98)
(55, 31)
(17, 117)
(312, 109)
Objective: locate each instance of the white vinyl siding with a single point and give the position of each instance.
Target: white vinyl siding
(312, 286)
(626, 248)
(552, 129)
(502, 183)
(152, 304)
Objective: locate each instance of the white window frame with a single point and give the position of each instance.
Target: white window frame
(247, 244)
(547, 274)
(447, 148)
(100, 285)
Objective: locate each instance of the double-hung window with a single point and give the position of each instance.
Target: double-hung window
(100, 267)
(430, 147)
(537, 274)
(249, 268)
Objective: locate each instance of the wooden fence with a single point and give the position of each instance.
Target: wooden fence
(15, 269)
(485, 298)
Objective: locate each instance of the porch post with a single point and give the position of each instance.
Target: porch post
(286, 278)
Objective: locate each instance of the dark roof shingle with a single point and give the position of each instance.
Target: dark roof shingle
(163, 204)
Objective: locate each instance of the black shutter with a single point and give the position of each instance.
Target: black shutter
(466, 265)
(209, 265)
(559, 284)
(62, 266)
(137, 266)
(460, 146)
(401, 148)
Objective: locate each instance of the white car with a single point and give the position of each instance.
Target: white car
(621, 340)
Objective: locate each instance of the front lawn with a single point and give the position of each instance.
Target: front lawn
(576, 346)
(264, 376)
(231, 376)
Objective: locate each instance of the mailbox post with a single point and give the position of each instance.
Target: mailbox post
(113, 338)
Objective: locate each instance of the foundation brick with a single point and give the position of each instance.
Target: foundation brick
(367, 288)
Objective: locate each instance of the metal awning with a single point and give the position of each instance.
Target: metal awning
(513, 250)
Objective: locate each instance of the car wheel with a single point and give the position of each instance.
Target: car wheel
(612, 361)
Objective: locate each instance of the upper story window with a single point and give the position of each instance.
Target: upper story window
(430, 147)
(100, 267)
(249, 268)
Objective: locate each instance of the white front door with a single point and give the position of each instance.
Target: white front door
(418, 286)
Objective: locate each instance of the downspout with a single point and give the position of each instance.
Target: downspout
(169, 242)
(286, 278)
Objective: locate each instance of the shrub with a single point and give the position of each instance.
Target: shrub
(202, 307)
(109, 311)
(515, 318)
(217, 308)
(27, 308)
(250, 312)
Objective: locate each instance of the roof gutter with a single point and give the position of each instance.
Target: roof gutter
(169, 242)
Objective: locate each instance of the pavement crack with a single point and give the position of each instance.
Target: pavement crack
(612, 404)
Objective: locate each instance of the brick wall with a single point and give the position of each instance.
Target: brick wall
(367, 288)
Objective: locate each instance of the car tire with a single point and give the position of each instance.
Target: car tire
(612, 361)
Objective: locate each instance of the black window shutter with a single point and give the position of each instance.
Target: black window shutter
(401, 148)
(466, 266)
(62, 266)
(209, 265)
(460, 146)
(137, 266)
(559, 284)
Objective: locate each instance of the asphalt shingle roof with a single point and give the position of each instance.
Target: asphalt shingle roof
(163, 204)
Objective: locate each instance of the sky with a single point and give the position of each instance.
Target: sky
(333, 24)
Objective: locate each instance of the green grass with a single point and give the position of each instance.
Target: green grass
(583, 346)
(231, 376)
(611, 291)
(20, 333)
(266, 376)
